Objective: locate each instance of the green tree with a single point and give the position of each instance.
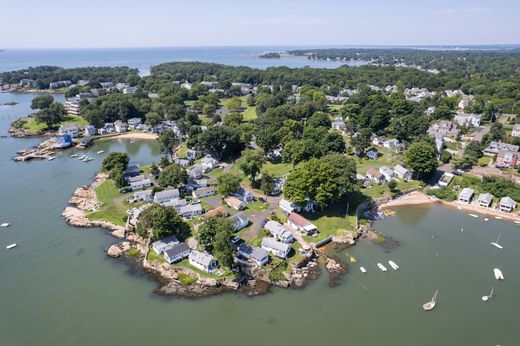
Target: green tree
(42, 102)
(267, 183)
(361, 141)
(251, 163)
(159, 222)
(422, 158)
(228, 183)
(294, 152)
(52, 115)
(215, 234)
(168, 141)
(221, 142)
(154, 170)
(118, 176)
(234, 104)
(114, 160)
(319, 119)
(173, 175)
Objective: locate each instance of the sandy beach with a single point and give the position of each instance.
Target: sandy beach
(133, 135)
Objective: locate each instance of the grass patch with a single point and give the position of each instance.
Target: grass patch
(186, 264)
(109, 211)
(484, 161)
(152, 256)
(332, 221)
(277, 169)
(32, 125)
(186, 279)
(256, 207)
(133, 252)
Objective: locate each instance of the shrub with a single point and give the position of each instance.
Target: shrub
(186, 279)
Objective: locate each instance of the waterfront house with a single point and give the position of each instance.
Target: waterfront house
(145, 196)
(239, 221)
(244, 195)
(363, 179)
(279, 232)
(203, 261)
(235, 203)
(120, 126)
(277, 248)
(89, 130)
(63, 141)
(219, 211)
(387, 173)
(204, 192)
(375, 175)
(166, 195)
(132, 170)
(287, 207)
(140, 184)
(190, 210)
(506, 159)
(391, 143)
(402, 172)
(160, 246)
(494, 147)
(464, 119)
(256, 255)
(102, 131)
(69, 130)
(301, 224)
(507, 204)
(134, 122)
(72, 106)
(485, 200)
(446, 179)
(516, 130)
(466, 194)
(177, 253)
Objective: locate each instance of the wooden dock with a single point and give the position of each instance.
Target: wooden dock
(40, 154)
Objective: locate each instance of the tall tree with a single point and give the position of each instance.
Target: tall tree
(159, 222)
(42, 102)
(228, 183)
(251, 163)
(173, 175)
(168, 141)
(115, 159)
(422, 158)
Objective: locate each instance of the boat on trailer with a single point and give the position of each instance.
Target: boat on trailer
(496, 244)
(498, 274)
(382, 267)
(431, 304)
(393, 265)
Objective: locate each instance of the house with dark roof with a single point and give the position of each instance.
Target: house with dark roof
(177, 253)
(160, 246)
(275, 247)
(203, 261)
(204, 192)
(239, 221)
(257, 256)
(279, 232)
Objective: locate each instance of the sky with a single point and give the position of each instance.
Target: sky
(189, 23)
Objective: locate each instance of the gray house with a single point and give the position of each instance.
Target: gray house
(177, 253)
(279, 232)
(204, 192)
(255, 254)
(507, 204)
(466, 194)
(275, 247)
(202, 261)
(485, 200)
(166, 195)
(164, 244)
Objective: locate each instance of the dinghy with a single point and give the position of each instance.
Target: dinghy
(496, 244)
(100, 152)
(363, 270)
(474, 215)
(431, 304)
(498, 274)
(74, 155)
(485, 298)
(8, 247)
(517, 222)
(486, 219)
(81, 157)
(352, 259)
(393, 265)
(132, 142)
(498, 217)
(5, 224)
(382, 267)
(50, 158)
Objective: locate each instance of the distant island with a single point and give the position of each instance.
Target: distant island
(270, 55)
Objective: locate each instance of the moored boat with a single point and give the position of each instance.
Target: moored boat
(431, 304)
(474, 215)
(496, 244)
(363, 270)
(74, 155)
(50, 158)
(100, 152)
(486, 298)
(498, 274)
(393, 265)
(5, 224)
(11, 246)
(382, 267)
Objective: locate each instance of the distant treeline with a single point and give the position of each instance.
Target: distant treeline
(44, 75)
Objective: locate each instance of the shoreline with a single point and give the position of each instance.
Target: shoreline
(131, 135)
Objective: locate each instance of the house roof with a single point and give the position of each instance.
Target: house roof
(166, 242)
(217, 211)
(201, 257)
(466, 192)
(239, 217)
(234, 201)
(252, 251)
(374, 173)
(401, 170)
(508, 201)
(277, 229)
(190, 208)
(485, 197)
(299, 220)
(274, 244)
(177, 250)
(176, 202)
(204, 190)
(171, 193)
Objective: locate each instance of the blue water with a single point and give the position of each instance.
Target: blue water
(144, 58)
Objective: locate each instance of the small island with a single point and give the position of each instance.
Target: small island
(270, 55)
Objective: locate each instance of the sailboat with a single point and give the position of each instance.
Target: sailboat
(496, 244)
(498, 274)
(431, 304)
(485, 298)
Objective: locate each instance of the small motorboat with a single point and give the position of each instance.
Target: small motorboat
(12, 246)
(473, 215)
(363, 270)
(393, 265)
(486, 219)
(50, 158)
(431, 304)
(517, 222)
(100, 152)
(498, 217)
(352, 259)
(132, 142)
(462, 229)
(496, 244)
(81, 157)
(486, 298)
(498, 274)
(74, 155)
(5, 224)
(382, 267)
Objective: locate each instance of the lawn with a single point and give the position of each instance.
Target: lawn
(152, 256)
(332, 221)
(186, 264)
(249, 111)
(32, 125)
(109, 211)
(255, 207)
(277, 170)
(183, 150)
(484, 161)
(379, 191)
(380, 161)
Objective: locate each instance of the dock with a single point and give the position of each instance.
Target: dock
(30, 154)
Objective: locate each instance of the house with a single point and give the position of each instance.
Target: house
(378, 140)
(72, 106)
(244, 195)
(145, 196)
(372, 154)
(256, 255)
(338, 125)
(182, 162)
(466, 194)
(363, 179)
(391, 143)
(134, 122)
(166, 195)
(69, 129)
(204, 192)
(175, 203)
(516, 130)
(507, 204)
(278, 186)
(208, 163)
(134, 179)
(485, 200)
(443, 128)
(219, 211)
(301, 224)
(279, 232)
(89, 130)
(464, 119)
(203, 261)
(129, 90)
(494, 147)
(177, 253)
(446, 179)
(506, 159)
(192, 154)
(239, 221)
(190, 210)
(288, 207)
(235, 203)
(120, 126)
(277, 248)
(140, 184)
(102, 131)
(402, 172)
(196, 172)
(132, 170)
(374, 175)
(387, 173)
(186, 85)
(160, 246)
(63, 141)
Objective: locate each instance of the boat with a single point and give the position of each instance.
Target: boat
(485, 298)
(50, 158)
(498, 217)
(431, 304)
(462, 229)
(474, 215)
(486, 219)
(132, 142)
(100, 152)
(498, 274)
(393, 265)
(5, 224)
(74, 155)
(8, 247)
(363, 270)
(352, 259)
(496, 244)
(81, 157)
(382, 267)
(517, 222)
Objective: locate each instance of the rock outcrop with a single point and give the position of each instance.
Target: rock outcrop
(119, 249)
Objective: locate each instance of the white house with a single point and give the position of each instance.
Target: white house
(485, 200)
(190, 210)
(140, 184)
(277, 248)
(160, 246)
(166, 195)
(338, 125)
(69, 129)
(89, 130)
(391, 143)
(134, 122)
(301, 224)
(244, 195)
(402, 172)
(507, 204)
(208, 163)
(466, 194)
(145, 196)
(288, 207)
(446, 179)
(256, 255)
(279, 232)
(175, 203)
(177, 253)
(375, 175)
(202, 261)
(516, 130)
(120, 126)
(235, 203)
(386, 172)
(204, 192)
(464, 119)
(239, 221)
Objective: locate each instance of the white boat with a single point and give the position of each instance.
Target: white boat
(8, 247)
(486, 219)
(132, 142)
(74, 155)
(485, 298)
(5, 224)
(498, 274)
(474, 215)
(498, 217)
(363, 270)
(81, 157)
(382, 267)
(462, 229)
(496, 244)
(100, 152)
(431, 304)
(517, 222)
(393, 265)
(50, 158)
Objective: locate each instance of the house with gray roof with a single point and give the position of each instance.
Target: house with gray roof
(494, 147)
(244, 195)
(175, 203)
(402, 172)
(275, 247)
(145, 196)
(140, 184)
(166, 195)
(190, 210)
(485, 200)
(507, 204)
(279, 232)
(288, 207)
(466, 194)
(204, 192)
(160, 246)
(203, 261)
(257, 256)
(177, 253)
(239, 221)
